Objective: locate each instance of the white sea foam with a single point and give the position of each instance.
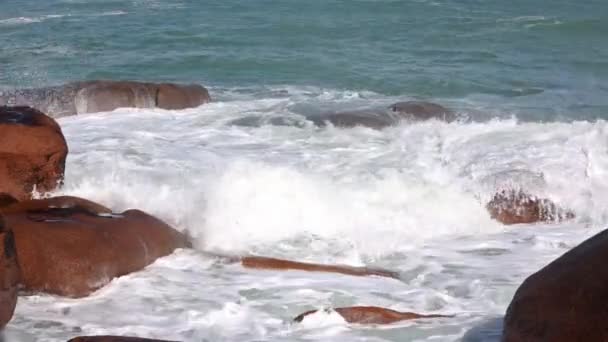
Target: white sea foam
(409, 198)
(28, 20)
(38, 19)
(19, 21)
(112, 13)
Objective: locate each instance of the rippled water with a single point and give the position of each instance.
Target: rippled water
(540, 60)
(527, 80)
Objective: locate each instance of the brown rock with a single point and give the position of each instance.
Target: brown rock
(566, 300)
(513, 207)
(371, 315)
(176, 96)
(9, 274)
(74, 204)
(72, 247)
(280, 264)
(105, 96)
(420, 110)
(6, 200)
(113, 339)
(32, 152)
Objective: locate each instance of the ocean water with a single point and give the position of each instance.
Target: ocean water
(527, 78)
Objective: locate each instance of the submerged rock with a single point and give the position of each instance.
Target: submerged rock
(564, 301)
(371, 315)
(259, 121)
(421, 110)
(71, 247)
(280, 264)
(33, 151)
(99, 96)
(113, 339)
(382, 118)
(516, 206)
(370, 119)
(9, 274)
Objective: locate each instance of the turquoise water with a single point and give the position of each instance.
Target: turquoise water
(540, 60)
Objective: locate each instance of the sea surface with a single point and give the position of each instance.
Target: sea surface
(528, 80)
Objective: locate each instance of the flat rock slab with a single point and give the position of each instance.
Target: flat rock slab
(71, 247)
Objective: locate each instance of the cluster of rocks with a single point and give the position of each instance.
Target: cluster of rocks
(103, 95)
(71, 246)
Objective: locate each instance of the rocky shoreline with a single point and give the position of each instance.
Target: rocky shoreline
(71, 247)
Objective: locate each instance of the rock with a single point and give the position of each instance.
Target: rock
(564, 301)
(175, 96)
(420, 110)
(32, 152)
(371, 315)
(259, 121)
(516, 206)
(370, 119)
(71, 247)
(113, 339)
(381, 118)
(105, 96)
(98, 96)
(74, 204)
(55, 101)
(6, 200)
(280, 264)
(9, 274)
